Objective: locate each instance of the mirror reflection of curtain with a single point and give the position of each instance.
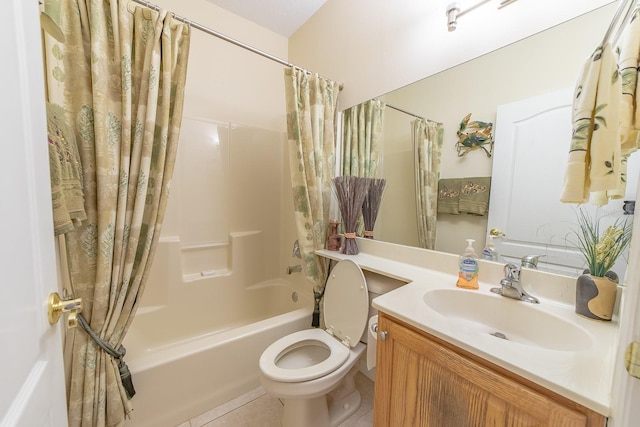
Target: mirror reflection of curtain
(427, 144)
(311, 110)
(362, 136)
(119, 79)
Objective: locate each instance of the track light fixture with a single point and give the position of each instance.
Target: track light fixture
(454, 11)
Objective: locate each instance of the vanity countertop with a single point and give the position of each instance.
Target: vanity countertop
(584, 376)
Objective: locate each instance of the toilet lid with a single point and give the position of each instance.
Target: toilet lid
(346, 302)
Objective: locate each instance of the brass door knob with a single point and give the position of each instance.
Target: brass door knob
(57, 306)
(632, 359)
(496, 233)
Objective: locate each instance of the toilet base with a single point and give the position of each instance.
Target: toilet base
(315, 412)
(326, 410)
(343, 409)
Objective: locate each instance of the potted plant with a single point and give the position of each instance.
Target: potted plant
(597, 288)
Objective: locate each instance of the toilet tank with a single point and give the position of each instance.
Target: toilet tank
(377, 285)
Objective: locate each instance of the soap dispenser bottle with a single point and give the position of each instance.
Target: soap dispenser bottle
(468, 268)
(489, 252)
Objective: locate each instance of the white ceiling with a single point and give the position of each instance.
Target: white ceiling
(283, 17)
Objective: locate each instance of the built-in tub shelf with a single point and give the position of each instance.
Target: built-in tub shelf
(239, 260)
(205, 274)
(204, 260)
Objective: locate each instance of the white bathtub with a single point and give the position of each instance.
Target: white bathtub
(188, 359)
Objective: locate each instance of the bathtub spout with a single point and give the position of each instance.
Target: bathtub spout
(294, 269)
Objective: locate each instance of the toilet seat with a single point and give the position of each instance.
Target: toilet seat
(346, 307)
(338, 354)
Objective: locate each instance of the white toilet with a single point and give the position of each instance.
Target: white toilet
(313, 370)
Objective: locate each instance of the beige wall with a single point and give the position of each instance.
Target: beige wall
(376, 46)
(226, 82)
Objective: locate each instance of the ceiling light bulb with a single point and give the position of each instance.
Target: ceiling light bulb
(452, 16)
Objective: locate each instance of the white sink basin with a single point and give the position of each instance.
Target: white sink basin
(506, 318)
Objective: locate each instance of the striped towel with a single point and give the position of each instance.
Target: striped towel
(65, 169)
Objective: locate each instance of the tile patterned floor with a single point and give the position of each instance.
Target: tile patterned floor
(257, 409)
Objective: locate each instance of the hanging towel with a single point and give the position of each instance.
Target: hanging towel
(628, 64)
(67, 194)
(594, 157)
(474, 195)
(628, 61)
(449, 195)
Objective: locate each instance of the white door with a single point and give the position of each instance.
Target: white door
(32, 391)
(626, 389)
(531, 153)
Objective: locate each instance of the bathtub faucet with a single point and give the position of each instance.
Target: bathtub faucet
(294, 269)
(296, 249)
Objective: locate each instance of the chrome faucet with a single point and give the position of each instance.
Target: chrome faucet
(511, 286)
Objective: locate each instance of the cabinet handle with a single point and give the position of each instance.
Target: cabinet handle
(382, 335)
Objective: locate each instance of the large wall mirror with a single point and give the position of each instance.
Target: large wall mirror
(545, 63)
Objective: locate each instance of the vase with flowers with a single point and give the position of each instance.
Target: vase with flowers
(596, 289)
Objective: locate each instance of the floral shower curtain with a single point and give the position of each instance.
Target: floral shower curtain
(427, 145)
(362, 136)
(122, 70)
(311, 110)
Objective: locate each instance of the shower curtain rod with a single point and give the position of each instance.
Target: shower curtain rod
(628, 4)
(225, 38)
(406, 112)
(411, 114)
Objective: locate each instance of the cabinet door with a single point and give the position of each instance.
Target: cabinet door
(422, 383)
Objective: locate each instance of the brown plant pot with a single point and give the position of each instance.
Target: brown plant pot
(595, 297)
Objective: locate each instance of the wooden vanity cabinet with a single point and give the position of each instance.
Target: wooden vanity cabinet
(422, 380)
